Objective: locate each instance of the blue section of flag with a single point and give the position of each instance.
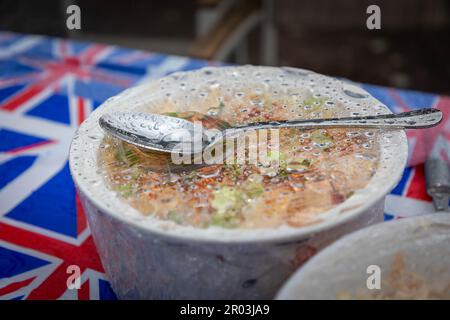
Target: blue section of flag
(388, 217)
(6, 93)
(380, 94)
(13, 168)
(156, 60)
(96, 104)
(10, 39)
(55, 108)
(77, 47)
(42, 50)
(96, 90)
(121, 68)
(13, 262)
(195, 64)
(417, 100)
(13, 68)
(127, 57)
(400, 187)
(52, 206)
(11, 140)
(105, 291)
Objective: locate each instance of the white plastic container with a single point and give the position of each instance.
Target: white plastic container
(341, 270)
(145, 258)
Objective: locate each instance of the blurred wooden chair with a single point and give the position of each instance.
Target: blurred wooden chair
(228, 31)
(222, 31)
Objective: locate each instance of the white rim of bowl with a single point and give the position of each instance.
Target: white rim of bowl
(83, 159)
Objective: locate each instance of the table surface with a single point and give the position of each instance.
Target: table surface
(48, 86)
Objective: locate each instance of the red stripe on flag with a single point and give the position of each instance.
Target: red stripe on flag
(54, 286)
(15, 286)
(81, 217)
(29, 147)
(417, 188)
(89, 55)
(83, 292)
(30, 92)
(398, 99)
(84, 255)
(426, 139)
(81, 111)
(25, 95)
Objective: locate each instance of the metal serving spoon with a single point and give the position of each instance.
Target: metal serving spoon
(175, 135)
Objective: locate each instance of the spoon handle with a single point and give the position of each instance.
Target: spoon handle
(417, 119)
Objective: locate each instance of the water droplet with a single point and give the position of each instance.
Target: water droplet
(255, 178)
(296, 167)
(174, 177)
(352, 134)
(213, 111)
(269, 171)
(305, 135)
(209, 173)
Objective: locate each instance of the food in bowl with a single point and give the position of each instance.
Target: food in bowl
(309, 171)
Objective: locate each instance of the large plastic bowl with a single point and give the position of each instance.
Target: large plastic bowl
(411, 256)
(148, 258)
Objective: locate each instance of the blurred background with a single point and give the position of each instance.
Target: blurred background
(411, 50)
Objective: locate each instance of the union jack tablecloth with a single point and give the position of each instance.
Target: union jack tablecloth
(48, 87)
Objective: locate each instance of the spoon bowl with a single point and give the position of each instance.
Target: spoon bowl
(155, 132)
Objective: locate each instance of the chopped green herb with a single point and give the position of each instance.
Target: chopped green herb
(234, 170)
(318, 136)
(191, 177)
(226, 200)
(314, 103)
(174, 216)
(273, 155)
(224, 221)
(283, 174)
(137, 172)
(125, 189)
(306, 162)
(221, 106)
(254, 189)
(126, 155)
(298, 165)
(171, 114)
